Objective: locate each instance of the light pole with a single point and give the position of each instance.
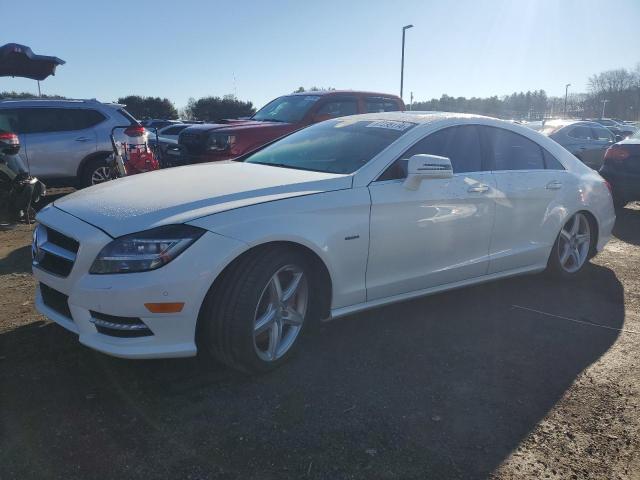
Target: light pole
(404, 29)
(604, 104)
(566, 93)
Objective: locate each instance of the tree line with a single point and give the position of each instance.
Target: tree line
(618, 91)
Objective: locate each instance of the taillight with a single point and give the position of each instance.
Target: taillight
(616, 154)
(135, 131)
(9, 138)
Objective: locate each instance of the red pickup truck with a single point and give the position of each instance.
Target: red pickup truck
(231, 138)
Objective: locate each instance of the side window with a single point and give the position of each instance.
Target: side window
(172, 131)
(602, 134)
(380, 104)
(49, 120)
(339, 108)
(460, 144)
(551, 162)
(511, 151)
(580, 132)
(88, 118)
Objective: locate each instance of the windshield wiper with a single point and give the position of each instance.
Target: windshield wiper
(267, 120)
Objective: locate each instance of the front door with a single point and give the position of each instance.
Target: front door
(439, 233)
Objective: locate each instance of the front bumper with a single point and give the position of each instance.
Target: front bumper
(186, 279)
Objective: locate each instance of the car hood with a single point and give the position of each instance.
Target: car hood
(178, 195)
(236, 125)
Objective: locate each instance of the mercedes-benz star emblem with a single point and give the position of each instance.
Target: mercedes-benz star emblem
(39, 239)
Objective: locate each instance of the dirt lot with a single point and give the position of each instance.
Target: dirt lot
(524, 378)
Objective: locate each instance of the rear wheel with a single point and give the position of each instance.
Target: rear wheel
(96, 171)
(253, 318)
(573, 247)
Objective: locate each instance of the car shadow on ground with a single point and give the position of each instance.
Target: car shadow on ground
(627, 227)
(445, 386)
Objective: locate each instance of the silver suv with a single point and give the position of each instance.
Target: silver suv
(65, 142)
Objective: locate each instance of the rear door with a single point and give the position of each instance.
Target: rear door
(529, 183)
(58, 139)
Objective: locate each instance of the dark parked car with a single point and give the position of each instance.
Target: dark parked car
(621, 169)
(231, 138)
(586, 140)
(619, 129)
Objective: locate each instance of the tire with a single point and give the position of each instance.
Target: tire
(94, 169)
(240, 320)
(619, 202)
(573, 247)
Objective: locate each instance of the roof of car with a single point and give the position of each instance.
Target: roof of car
(416, 116)
(342, 92)
(563, 122)
(52, 102)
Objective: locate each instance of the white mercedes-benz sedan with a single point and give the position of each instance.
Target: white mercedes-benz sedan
(234, 260)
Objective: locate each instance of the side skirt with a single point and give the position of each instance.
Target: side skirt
(343, 311)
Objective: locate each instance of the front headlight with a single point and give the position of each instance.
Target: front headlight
(220, 141)
(143, 251)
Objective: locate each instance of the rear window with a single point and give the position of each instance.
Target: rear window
(9, 120)
(128, 116)
(333, 146)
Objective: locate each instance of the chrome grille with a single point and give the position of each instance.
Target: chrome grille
(53, 251)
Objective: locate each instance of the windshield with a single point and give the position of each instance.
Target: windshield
(288, 109)
(334, 146)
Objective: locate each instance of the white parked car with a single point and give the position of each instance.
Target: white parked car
(235, 259)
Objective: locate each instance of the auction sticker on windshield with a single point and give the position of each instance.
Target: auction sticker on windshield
(390, 125)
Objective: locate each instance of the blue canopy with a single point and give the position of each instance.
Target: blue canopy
(20, 61)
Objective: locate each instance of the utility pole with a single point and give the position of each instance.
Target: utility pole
(404, 29)
(39, 93)
(566, 94)
(604, 104)
(411, 103)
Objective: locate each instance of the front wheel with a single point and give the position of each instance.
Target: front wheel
(572, 248)
(253, 318)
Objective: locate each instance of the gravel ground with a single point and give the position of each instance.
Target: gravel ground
(523, 378)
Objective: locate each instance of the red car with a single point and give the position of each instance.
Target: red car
(231, 138)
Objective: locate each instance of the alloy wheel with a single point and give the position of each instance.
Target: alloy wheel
(101, 175)
(574, 244)
(280, 313)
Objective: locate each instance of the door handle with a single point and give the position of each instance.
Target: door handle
(83, 139)
(554, 185)
(478, 188)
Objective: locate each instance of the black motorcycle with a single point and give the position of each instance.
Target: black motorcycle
(19, 191)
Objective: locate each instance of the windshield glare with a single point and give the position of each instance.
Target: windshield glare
(288, 109)
(334, 146)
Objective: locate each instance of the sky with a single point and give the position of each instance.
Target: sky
(259, 50)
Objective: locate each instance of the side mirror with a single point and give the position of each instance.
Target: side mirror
(9, 143)
(423, 166)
